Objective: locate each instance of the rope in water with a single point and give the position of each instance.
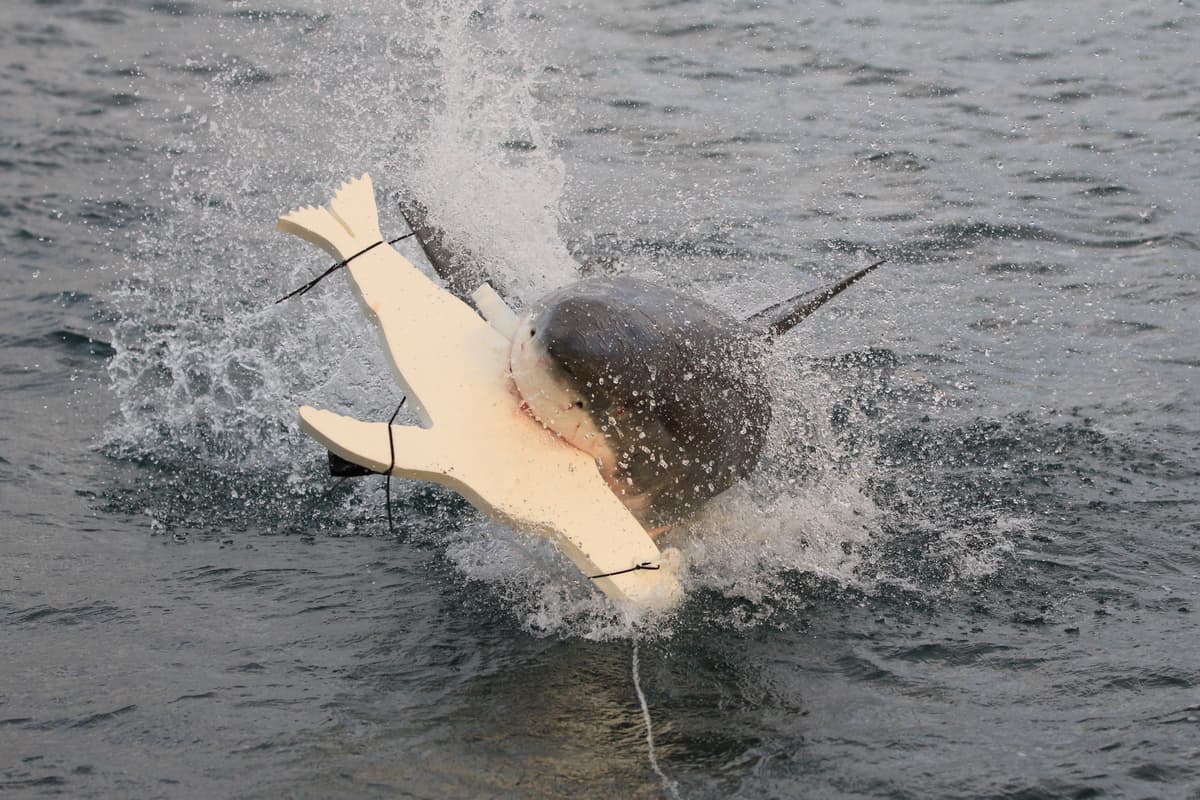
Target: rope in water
(387, 478)
(670, 786)
(387, 481)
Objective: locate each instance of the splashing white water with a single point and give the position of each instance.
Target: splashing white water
(442, 100)
(487, 172)
(430, 98)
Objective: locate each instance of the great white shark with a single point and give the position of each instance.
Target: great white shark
(667, 393)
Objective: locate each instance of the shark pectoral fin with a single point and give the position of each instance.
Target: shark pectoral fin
(493, 308)
(407, 449)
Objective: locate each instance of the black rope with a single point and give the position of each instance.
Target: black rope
(306, 287)
(387, 481)
(634, 568)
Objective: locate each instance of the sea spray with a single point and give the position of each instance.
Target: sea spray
(446, 101)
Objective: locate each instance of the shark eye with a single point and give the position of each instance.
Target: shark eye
(532, 332)
(578, 404)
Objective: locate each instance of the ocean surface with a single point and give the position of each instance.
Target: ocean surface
(968, 566)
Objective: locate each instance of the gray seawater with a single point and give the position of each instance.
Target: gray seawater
(968, 567)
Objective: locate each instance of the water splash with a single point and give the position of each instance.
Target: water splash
(487, 171)
(443, 101)
(206, 365)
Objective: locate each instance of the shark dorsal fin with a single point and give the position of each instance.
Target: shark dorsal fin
(461, 271)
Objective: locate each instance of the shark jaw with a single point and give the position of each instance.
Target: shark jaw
(548, 395)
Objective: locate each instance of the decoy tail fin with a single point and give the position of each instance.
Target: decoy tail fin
(346, 225)
(780, 318)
